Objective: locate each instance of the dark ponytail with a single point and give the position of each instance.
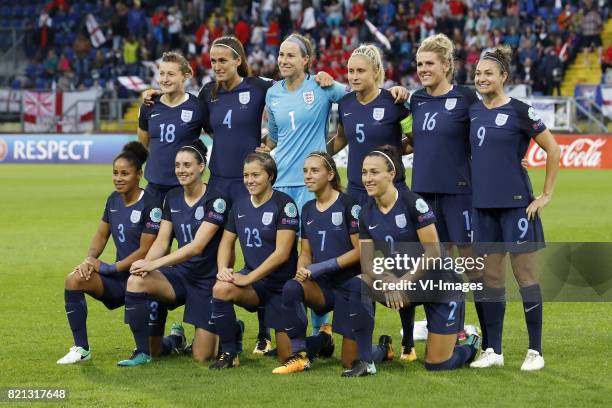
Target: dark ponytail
(503, 56)
(135, 153)
(233, 43)
(330, 165)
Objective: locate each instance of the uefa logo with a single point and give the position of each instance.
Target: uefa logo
(3, 150)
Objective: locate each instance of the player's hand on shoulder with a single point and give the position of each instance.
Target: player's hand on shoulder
(536, 205)
(399, 94)
(225, 275)
(148, 95)
(525, 163)
(302, 274)
(324, 79)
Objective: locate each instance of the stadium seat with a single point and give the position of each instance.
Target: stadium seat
(39, 84)
(31, 71)
(88, 82)
(16, 84)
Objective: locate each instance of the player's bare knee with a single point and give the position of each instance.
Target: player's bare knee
(136, 284)
(223, 290)
(73, 282)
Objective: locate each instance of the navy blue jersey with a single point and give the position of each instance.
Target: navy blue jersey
(256, 229)
(409, 214)
(370, 126)
(127, 224)
(500, 138)
(169, 130)
(440, 130)
(329, 232)
(234, 119)
(186, 220)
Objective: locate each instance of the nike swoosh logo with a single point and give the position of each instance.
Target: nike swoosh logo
(352, 314)
(114, 210)
(309, 222)
(72, 311)
(130, 308)
(350, 113)
(216, 317)
(450, 324)
(421, 103)
(152, 324)
(154, 115)
(372, 226)
(531, 308)
(275, 103)
(520, 242)
(209, 322)
(288, 328)
(473, 119)
(241, 215)
(174, 211)
(214, 100)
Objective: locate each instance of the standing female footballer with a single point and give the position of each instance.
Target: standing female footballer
(265, 225)
(191, 213)
(132, 217)
(329, 260)
(175, 120)
(369, 118)
(396, 219)
(298, 113)
(505, 209)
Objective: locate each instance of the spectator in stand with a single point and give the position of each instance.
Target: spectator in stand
(175, 27)
(566, 17)
(242, 30)
(333, 12)
(591, 27)
(130, 55)
(272, 37)
(386, 14)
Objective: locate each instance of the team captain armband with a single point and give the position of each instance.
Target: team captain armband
(406, 125)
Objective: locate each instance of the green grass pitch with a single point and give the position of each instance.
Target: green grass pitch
(48, 214)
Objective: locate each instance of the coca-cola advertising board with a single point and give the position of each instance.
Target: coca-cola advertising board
(577, 152)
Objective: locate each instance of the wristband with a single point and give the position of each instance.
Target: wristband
(107, 269)
(320, 268)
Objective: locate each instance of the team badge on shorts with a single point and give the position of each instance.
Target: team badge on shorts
(400, 220)
(219, 205)
(156, 214)
(421, 206)
(244, 97)
(135, 216)
(378, 113)
(290, 210)
(337, 218)
(309, 97)
(450, 103)
(355, 211)
(186, 115)
(501, 119)
(199, 213)
(266, 218)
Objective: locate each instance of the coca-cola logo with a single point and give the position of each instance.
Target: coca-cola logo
(581, 152)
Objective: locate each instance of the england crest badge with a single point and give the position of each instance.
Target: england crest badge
(400, 220)
(501, 119)
(337, 218)
(309, 97)
(266, 218)
(186, 115)
(378, 113)
(450, 103)
(244, 97)
(135, 216)
(199, 213)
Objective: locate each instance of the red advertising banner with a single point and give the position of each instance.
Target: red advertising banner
(577, 152)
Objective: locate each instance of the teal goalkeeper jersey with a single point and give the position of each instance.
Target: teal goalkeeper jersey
(297, 123)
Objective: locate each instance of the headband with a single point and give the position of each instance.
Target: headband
(489, 56)
(387, 157)
(227, 46)
(323, 157)
(197, 151)
(299, 43)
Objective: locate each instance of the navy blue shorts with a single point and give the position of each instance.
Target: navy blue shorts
(195, 294)
(271, 298)
(445, 318)
(159, 191)
(453, 213)
(231, 188)
(500, 230)
(115, 286)
(361, 195)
